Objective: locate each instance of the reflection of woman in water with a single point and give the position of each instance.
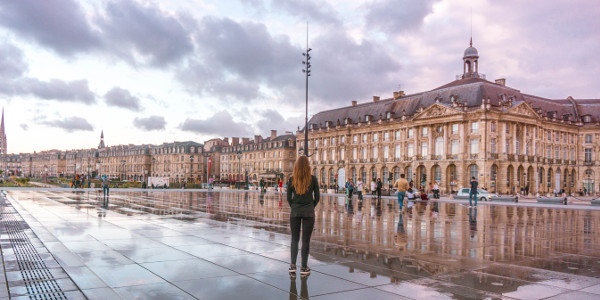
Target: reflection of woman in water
(303, 288)
(303, 196)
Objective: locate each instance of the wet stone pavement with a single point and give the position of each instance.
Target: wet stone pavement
(60, 244)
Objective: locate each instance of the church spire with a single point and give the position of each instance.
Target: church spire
(101, 140)
(3, 149)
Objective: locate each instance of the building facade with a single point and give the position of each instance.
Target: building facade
(470, 127)
(269, 158)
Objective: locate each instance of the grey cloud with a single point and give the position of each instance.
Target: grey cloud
(25, 127)
(150, 123)
(56, 89)
(234, 59)
(134, 30)
(308, 10)
(221, 123)
(122, 98)
(273, 120)
(344, 70)
(393, 16)
(71, 124)
(11, 61)
(58, 24)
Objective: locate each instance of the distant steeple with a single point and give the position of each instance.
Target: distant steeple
(2, 136)
(101, 140)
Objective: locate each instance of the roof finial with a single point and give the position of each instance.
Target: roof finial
(471, 43)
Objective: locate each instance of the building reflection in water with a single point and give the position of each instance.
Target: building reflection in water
(429, 239)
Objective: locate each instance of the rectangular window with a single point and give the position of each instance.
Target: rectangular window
(424, 132)
(354, 153)
(355, 139)
(332, 154)
(565, 153)
(588, 138)
(493, 127)
(549, 135)
(507, 146)
(410, 133)
(364, 153)
(332, 141)
(454, 147)
(397, 151)
(556, 153)
(507, 128)
(386, 152)
(424, 149)
(454, 128)
(493, 146)
(343, 140)
(474, 127)
(397, 135)
(410, 150)
(364, 137)
(375, 152)
(572, 154)
(342, 153)
(588, 154)
(549, 152)
(375, 137)
(474, 146)
(386, 136)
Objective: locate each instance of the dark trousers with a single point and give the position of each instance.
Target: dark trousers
(350, 193)
(105, 190)
(378, 193)
(307, 224)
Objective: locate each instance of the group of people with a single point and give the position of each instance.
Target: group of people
(79, 181)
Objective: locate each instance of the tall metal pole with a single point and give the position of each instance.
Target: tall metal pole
(307, 73)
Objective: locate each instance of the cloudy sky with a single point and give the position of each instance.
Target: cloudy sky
(174, 70)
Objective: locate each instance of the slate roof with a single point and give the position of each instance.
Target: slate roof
(469, 91)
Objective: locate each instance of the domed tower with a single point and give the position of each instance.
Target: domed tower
(470, 62)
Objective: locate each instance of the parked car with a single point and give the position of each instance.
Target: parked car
(483, 195)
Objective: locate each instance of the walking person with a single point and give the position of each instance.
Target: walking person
(280, 185)
(436, 190)
(402, 186)
(302, 196)
(379, 186)
(473, 191)
(350, 189)
(359, 189)
(105, 190)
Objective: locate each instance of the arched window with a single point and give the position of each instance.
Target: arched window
(396, 173)
(437, 173)
(473, 171)
(354, 175)
(384, 174)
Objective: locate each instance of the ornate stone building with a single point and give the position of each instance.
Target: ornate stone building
(467, 128)
(180, 161)
(268, 158)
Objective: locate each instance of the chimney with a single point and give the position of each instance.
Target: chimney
(401, 94)
(257, 139)
(235, 141)
(273, 134)
(245, 141)
(354, 103)
(396, 95)
(226, 141)
(375, 98)
(288, 133)
(501, 81)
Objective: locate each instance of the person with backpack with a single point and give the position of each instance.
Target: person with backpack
(302, 196)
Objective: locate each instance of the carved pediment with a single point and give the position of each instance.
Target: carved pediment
(436, 110)
(525, 110)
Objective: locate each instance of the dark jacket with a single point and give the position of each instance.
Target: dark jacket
(303, 205)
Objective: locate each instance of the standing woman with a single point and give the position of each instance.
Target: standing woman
(303, 196)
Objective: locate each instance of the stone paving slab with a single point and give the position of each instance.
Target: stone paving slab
(224, 245)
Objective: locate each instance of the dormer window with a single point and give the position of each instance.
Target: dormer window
(367, 118)
(388, 115)
(587, 119)
(346, 121)
(566, 117)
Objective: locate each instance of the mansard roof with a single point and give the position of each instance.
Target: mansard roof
(468, 92)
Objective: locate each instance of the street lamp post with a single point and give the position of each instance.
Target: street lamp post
(306, 71)
(239, 156)
(123, 170)
(191, 168)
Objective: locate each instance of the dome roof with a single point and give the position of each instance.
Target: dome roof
(471, 52)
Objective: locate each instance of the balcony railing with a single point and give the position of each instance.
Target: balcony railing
(510, 157)
(521, 158)
(474, 156)
(531, 158)
(588, 163)
(451, 156)
(493, 155)
(574, 162)
(436, 157)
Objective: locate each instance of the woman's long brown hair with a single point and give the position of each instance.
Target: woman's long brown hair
(301, 176)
